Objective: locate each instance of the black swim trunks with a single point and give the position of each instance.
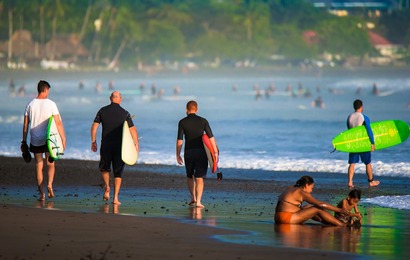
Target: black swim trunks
(196, 163)
(111, 154)
(38, 149)
(192, 127)
(112, 118)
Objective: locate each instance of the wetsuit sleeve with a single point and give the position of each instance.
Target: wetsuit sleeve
(366, 123)
(97, 118)
(208, 130)
(180, 135)
(128, 118)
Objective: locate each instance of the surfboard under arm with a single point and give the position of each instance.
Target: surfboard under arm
(210, 153)
(386, 134)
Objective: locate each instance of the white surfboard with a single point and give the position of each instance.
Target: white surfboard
(54, 142)
(210, 153)
(129, 153)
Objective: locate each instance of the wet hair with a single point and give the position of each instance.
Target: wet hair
(355, 194)
(42, 85)
(303, 181)
(357, 104)
(192, 105)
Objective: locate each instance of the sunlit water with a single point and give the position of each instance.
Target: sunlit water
(259, 137)
(275, 133)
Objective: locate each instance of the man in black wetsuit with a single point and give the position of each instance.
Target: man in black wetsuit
(112, 118)
(196, 162)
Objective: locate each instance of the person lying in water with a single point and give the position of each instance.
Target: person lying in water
(289, 209)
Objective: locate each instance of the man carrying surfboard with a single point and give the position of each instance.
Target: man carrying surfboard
(37, 115)
(112, 118)
(357, 118)
(192, 128)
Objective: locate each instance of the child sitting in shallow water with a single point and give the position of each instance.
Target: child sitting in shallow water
(348, 204)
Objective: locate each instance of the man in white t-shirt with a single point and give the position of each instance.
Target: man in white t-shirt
(36, 116)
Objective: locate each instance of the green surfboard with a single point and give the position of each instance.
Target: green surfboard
(54, 142)
(386, 134)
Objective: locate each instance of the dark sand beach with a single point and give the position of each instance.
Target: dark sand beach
(154, 220)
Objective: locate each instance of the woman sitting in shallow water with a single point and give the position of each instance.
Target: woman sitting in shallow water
(289, 209)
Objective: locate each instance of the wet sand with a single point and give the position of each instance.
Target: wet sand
(154, 220)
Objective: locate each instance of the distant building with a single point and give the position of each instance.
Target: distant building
(346, 7)
(23, 48)
(389, 52)
(23, 45)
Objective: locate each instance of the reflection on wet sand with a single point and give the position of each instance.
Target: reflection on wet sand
(343, 239)
(44, 204)
(197, 214)
(110, 208)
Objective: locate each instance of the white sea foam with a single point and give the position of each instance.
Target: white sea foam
(397, 202)
(272, 134)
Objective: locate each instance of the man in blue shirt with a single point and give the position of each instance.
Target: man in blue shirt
(358, 119)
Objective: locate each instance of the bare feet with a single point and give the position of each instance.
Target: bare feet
(50, 192)
(106, 194)
(116, 202)
(374, 183)
(192, 203)
(42, 197)
(200, 206)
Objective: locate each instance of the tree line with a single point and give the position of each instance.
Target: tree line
(144, 31)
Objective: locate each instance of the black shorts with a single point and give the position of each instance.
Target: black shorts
(39, 149)
(196, 163)
(111, 154)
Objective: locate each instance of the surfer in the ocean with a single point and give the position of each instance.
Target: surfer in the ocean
(357, 119)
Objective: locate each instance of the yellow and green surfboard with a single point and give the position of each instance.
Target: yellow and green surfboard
(386, 134)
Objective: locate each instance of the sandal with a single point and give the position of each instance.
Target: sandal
(25, 152)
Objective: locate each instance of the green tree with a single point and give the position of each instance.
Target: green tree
(343, 36)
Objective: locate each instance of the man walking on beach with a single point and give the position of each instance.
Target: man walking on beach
(196, 162)
(112, 118)
(37, 115)
(358, 119)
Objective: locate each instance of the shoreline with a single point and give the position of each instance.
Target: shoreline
(236, 223)
(70, 235)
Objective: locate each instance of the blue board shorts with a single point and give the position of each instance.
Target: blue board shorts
(365, 157)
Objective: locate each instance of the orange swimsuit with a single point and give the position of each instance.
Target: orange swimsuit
(283, 217)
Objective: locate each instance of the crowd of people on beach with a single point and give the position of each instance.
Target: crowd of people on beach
(289, 208)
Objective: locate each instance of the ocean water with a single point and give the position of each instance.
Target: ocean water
(279, 132)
